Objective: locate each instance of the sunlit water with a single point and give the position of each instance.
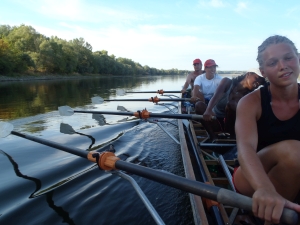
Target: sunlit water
(42, 185)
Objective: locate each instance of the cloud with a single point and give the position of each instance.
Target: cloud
(164, 45)
(149, 45)
(212, 3)
(81, 11)
(293, 12)
(241, 7)
(293, 35)
(217, 3)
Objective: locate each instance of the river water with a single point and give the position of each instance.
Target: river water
(42, 185)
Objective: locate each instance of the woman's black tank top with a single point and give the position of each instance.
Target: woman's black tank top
(272, 130)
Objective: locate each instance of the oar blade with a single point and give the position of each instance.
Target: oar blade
(100, 118)
(65, 110)
(5, 129)
(120, 92)
(97, 100)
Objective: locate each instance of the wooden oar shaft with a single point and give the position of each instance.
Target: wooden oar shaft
(205, 190)
(198, 188)
(106, 112)
(137, 114)
(176, 116)
(149, 100)
(158, 92)
(73, 150)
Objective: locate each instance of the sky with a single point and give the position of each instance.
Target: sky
(161, 33)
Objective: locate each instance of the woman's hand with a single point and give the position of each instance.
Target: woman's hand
(194, 99)
(268, 205)
(208, 114)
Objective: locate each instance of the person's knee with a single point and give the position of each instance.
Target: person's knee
(200, 107)
(289, 154)
(241, 183)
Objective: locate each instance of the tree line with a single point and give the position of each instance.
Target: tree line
(23, 50)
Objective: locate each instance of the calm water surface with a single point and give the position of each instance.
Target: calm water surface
(42, 185)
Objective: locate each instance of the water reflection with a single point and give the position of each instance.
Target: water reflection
(23, 99)
(100, 118)
(32, 106)
(67, 129)
(38, 184)
(59, 210)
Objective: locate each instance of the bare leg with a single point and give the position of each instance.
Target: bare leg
(210, 126)
(281, 162)
(200, 107)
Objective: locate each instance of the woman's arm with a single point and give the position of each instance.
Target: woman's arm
(248, 112)
(221, 89)
(197, 94)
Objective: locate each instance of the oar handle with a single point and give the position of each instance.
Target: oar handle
(127, 100)
(73, 150)
(179, 116)
(144, 114)
(237, 200)
(140, 92)
(152, 99)
(175, 99)
(106, 112)
(158, 92)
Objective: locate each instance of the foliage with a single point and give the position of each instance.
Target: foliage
(23, 49)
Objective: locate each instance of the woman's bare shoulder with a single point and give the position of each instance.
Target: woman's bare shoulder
(250, 103)
(253, 97)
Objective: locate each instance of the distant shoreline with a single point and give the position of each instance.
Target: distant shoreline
(74, 76)
(50, 77)
(41, 77)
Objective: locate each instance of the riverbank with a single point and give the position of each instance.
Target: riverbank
(29, 77)
(43, 77)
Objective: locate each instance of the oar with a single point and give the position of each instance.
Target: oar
(108, 161)
(99, 100)
(161, 91)
(7, 129)
(144, 114)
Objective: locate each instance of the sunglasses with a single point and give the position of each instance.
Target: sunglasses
(195, 64)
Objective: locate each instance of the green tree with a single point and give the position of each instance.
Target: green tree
(23, 38)
(6, 64)
(85, 55)
(4, 30)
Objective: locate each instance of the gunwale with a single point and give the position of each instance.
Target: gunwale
(198, 204)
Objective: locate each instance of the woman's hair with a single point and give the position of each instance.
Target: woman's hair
(276, 39)
(238, 79)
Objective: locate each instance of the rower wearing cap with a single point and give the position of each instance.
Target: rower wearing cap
(192, 76)
(205, 86)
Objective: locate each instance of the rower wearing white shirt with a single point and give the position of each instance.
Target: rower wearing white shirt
(205, 85)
